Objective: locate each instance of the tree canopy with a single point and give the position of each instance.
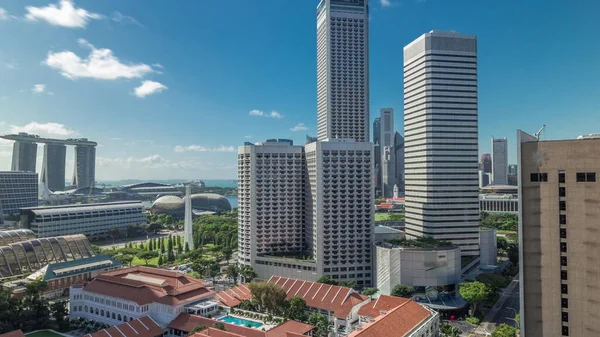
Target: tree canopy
(401, 290)
(268, 296)
(504, 330)
(474, 293)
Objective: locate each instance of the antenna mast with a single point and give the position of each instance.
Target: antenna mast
(539, 133)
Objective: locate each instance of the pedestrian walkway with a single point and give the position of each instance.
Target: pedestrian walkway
(488, 320)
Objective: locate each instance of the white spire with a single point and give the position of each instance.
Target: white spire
(188, 237)
(395, 191)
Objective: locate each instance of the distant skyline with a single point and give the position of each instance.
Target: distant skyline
(170, 90)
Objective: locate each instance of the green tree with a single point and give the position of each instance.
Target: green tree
(504, 330)
(179, 247)
(447, 330)
(370, 292)
(474, 293)
(321, 324)
(501, 243)
(327, 280)
(162, 245)
(401, 290)
(187, 248)
(248, 273)
(349, 284)
(212, 270)
(296, 308)
(219, 325)
(233, 272)
(61, 315)
(147, 256)
(141, 245)
(269, 296)
(124, 258)
(160, 260)
(512, 251)
(198, 328)
(153, 227)
(114, 232)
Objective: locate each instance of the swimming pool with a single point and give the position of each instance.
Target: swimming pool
(240, 321)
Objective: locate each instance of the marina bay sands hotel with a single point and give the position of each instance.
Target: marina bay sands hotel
(55, 152)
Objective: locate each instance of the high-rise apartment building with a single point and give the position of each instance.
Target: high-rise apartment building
(499, 161)
(440, 130)
(84, 173)
(559, 194)
(24, 156)
(53, 166)
(388, 153)
(343, 69)
(271, 204)
(17, 190)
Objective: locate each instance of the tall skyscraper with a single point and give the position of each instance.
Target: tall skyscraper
(559, 194)
(486, 163)
(24, 156)
(17, 190)
(388, 153)
(440, 130)
(188, 236)
(307, 213)
(399, 149)
(499, 161)
(53, 166)
(84, 173)
(343, 69)
(377, 152)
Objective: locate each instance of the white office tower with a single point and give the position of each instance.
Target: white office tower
(271, 202)
(343, 69)
(499, 161)
(440, 130)
(388, 153)
(395, 191)
(188, 235)
(339, 208)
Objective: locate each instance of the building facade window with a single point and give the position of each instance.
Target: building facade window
(565, 330)
(564, 289)
(564, 303)
(562, 177)
(563, 233)
(563, 261)
(539, 177)
(562, 191)
(586, 177)
(562, 219)
(562, 205)
(563, 247)
(564, 275)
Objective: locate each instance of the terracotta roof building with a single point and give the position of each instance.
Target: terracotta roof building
(15, 333)
(141, 327)
(396, 316)
(185, 323)
(130, 293)
(234, 296)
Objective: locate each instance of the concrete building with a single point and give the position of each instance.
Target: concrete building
(188, 232)
(343, 70)
(418, 267)
(499, 161)
(488, 247)
(24, 156)
(17, 190)
(499, 203)
(130, 293)
(441, 139)
(271, 182)
(377, 154)
(486, 163)
(93, 220)
(53, 166)
(559, 194)
(484, 179)
(388, 152)
(513, 169)
(399, 151)
(84, 172)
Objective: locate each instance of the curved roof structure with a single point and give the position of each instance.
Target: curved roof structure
(210, 202)
(144, 184)
(168, 202)
(14, 236)
(28, 256)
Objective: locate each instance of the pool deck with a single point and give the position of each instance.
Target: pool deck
(262, 325)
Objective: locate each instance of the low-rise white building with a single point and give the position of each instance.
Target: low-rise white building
(499, 203)
(93, 220)
(131, 293)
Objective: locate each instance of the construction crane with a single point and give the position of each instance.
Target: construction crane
(539, 133)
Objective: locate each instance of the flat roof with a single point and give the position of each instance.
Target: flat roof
(49, 210)
(386, 230)
(38, 139)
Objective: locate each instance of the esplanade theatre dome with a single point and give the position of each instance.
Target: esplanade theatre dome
(175, 206)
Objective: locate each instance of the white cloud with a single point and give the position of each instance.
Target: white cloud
(155, 158)
(43, 129)
(100, 64)
(63, 14)
(125, 19)
(149, 88)
(201, 148)
(38, 88)
(299, 127)
(115, 138)
(273, 114)
(385, 3)
(157, 65)
(3, 14)
(248, 137)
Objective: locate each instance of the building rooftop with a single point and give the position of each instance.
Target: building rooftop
(16, 333)
(25, 137)
(145, 285)
(386, 230)
(49, 210)
(234, 296)
(383, 303)
(399, 321)
(338, 300)
(64, 269)
(422, 242)
(141, 327)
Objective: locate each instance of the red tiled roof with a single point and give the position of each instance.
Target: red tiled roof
(186, 322)
(396, 322)
(141, 327)
(212, 332)
(15, 333)
(384, 205)
(339, 300)
(167, 287)
(383, 303)
(293, 327)
(234, 296)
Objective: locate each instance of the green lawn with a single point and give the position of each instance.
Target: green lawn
(45, 333)
(139, 262)
(382, 217)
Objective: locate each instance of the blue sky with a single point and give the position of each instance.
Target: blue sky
(201, 67)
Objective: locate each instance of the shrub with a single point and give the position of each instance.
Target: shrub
(473, 320)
